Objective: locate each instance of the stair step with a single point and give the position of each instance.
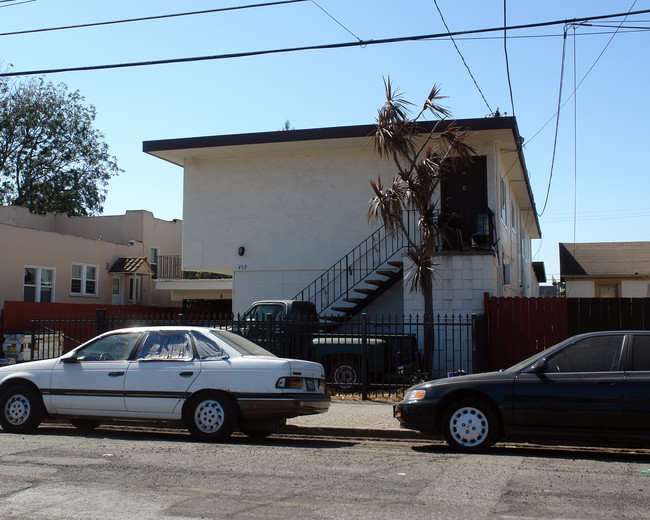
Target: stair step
(386, 272)
(396, 263)
(378, 283)
(365, 291)
(354, 300)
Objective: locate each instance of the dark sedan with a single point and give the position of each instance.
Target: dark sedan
(590, 388)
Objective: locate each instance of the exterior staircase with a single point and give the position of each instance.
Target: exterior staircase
(359, 278)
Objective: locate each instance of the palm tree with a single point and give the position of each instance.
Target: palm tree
(422, 158)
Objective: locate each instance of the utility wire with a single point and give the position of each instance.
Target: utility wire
(343, 26)
(580, 22)
(505, 52)
(462, 58)
(557, 123)
(15, 4)
(311, 47)
(148, 18)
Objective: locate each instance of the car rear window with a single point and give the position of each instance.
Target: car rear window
(241, 345)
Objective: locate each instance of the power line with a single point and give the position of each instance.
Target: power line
(505, 51)
(557, 123)
(343, 26)
(462, 58)
(625, 15)
(148, 18)
(330, 46)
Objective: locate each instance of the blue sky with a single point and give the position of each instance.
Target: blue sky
(599, 189)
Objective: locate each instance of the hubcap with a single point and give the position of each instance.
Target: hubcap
(468, 426)
(17, 409)
(209, 416)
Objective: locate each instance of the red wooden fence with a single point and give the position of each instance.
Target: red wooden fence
(521, 327)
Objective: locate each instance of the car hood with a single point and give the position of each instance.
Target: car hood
(485, 377)
(29, 366)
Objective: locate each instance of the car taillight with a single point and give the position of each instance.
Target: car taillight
(295, 383)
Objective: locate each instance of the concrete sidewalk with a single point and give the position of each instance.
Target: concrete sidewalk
(353, 418)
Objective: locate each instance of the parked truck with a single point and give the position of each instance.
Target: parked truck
(293, 328)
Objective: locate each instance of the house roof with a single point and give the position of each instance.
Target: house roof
(605, 259)
(177, 150)
(131, 266)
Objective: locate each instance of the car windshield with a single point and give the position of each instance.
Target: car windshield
(529, 361)
(241, 345)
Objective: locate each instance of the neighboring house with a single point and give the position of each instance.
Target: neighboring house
(109, 260)
(606, 269)
(285, 213)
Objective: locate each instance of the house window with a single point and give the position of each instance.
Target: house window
(83, 280)
(512, 216)
(135, 296)
(607, 290)
(503, 202)
(38, 284)
(153, 260)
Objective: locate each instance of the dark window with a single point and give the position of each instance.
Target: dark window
(595, 354)
(640, 353)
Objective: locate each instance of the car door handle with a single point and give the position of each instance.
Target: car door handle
(186, 374)
(115, 374)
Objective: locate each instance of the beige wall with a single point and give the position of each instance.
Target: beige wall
(29, 240)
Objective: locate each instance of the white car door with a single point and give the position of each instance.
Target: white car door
(92, 381)
(158, 380)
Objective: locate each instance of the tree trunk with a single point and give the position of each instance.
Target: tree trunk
(427, 295)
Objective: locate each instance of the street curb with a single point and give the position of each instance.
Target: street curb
(336, 431)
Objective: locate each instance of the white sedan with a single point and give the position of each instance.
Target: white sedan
(213, 381)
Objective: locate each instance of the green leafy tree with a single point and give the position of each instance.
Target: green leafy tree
(51, 157)
(421, 159)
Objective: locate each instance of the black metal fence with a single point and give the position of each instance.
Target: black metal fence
(378, 356)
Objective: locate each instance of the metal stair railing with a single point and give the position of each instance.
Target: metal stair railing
(355, 267)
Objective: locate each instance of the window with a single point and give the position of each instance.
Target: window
(135, 296)
(207, 348)
(640, 353)
(607, 290)
(167, 346)
(116, 347)
(38, 284)
(83, 280)
(153, 260)
(596, 354)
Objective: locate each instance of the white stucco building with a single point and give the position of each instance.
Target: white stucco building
(277, 210)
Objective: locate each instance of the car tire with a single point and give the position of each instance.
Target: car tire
(469, 425)
(85, 425)
(345, 374)
(211, 416)
(21, 409)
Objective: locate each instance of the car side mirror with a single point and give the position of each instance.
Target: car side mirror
(540, 367)
(69, 359)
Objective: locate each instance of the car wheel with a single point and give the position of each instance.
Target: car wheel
(469, 425)
(21, 409)
(345, 374)
(211, 417)
(85, 425)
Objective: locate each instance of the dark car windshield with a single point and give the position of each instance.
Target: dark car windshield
(529, 361)
(241, 345)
